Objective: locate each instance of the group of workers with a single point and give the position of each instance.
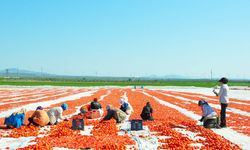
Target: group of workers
(41, 118)
(51, 117)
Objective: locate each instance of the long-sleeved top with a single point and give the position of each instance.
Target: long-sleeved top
(55, 114)
(40, 117)
(223, 94)
(207, 111)
(15, 120)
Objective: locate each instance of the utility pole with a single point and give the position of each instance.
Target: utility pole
(7, 73)
(211, 73)
(41, 71)
(17, 73)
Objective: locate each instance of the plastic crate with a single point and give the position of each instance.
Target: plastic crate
(78, 124)
(136, 125)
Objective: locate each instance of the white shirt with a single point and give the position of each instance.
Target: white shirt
(223, 94)
(55, 114)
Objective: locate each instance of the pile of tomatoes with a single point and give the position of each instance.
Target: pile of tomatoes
(24, 131)
(105, 128)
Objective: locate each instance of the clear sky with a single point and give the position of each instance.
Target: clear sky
(127, 37)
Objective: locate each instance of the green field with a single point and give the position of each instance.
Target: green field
(197, 83)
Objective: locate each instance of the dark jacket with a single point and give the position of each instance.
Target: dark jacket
(117, 114)
(146, 113)
(95, 105)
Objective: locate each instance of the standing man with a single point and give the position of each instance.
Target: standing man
(224, 100)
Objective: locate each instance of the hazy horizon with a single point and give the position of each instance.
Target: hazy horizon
(127, 38)
(17, 72)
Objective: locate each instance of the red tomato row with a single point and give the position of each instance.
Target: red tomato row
(168, 118)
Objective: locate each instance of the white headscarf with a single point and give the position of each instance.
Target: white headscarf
(21, 111)
(122, 100)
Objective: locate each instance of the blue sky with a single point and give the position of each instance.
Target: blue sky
(127, 37)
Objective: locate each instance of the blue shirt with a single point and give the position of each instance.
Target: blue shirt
(207, 110)
(15, 120)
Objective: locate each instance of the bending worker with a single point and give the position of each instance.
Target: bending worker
(115, 113)
(39, 117)
(209, 116)
(95, 104)
(125, 106)
(16, 119)
(56, 113)
(95, 109)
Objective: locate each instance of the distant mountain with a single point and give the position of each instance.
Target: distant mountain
(15, 72)
(22, 73)
(176, 77)
(166, 77)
